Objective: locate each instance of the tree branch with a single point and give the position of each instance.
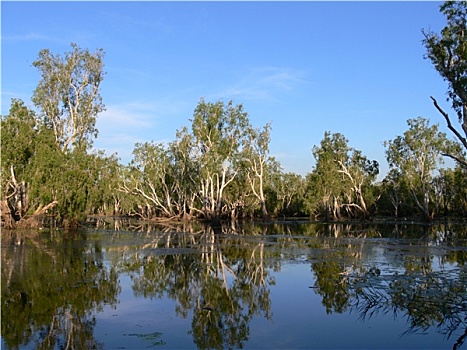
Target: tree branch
(457, 159)
(40, 211)
(448, 121)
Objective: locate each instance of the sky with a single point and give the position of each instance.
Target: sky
(307, 67)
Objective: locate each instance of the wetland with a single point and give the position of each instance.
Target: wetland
(125, 284)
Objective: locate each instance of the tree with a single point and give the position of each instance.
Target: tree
(184, 172)
(208, 172)
(219, 131)
(451, 191)
(107, 172)
(151, 179)
(18, 145)
(448, 53)
(360, 171)
(68, 95)
(416, 155)
(325, 182)
(391, 192)
(46, 154)
(256, 150)
(340, 178)
(459, 199)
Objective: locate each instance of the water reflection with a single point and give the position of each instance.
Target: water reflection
(221, 279)
(436, 299)
(224, 284)
(424, 281)
(51, 286)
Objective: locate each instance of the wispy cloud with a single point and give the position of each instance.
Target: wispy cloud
(282, 78)
(30, 36)
(265, 83)
(126, 21)
(7, 96)
(14, 94)
(122, 125)
(127, 117)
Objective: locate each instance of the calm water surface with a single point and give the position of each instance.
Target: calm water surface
(295, 285)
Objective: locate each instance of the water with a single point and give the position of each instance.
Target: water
(287, 285)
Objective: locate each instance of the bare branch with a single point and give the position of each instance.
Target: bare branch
(462, 139)
(457, 159)
(43, 210)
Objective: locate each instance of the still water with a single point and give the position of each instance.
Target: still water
(130, 285)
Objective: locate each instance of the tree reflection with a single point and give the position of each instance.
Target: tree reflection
(225, 283)
(224, 278)
(435, 300)
(424, 281)
(51, 284)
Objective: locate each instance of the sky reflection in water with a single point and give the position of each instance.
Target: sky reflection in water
(272, 286)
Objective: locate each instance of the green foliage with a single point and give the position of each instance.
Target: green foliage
(415, 156)
(325, 184)
(105, 173)
(74, 179)
(448, 53)
(218, 132)
(46, 158)
(18, 137)
(285, 194)
(153, 180)
(451, 191)
(340, 181)
(18, 146)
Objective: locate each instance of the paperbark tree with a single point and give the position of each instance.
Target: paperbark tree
(218, 133)
(326, 183)
(451, 191)
(151, 179)
(341, 177)
(392, 190)
(22, 140)
(184, 173)
(18, 139)
(416, 155)
(288, 189)
(46, 157)
(256, 151)
(360, 172)
(68, 95)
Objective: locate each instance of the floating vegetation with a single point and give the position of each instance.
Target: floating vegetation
(154, 338)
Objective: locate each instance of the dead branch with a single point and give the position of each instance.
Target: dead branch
(41, 211)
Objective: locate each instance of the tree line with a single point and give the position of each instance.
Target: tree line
(220, 165)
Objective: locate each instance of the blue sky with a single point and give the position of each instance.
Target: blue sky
(308, 67)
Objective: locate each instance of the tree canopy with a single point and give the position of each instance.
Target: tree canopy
(448, 53)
